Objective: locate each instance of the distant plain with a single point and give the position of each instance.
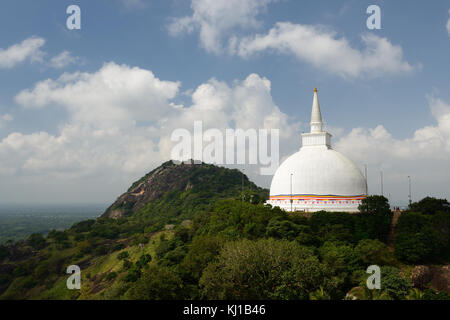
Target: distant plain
(18, 222)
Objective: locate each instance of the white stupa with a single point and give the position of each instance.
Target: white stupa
(317, 177)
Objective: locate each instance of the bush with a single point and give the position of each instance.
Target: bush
(429, 206)
(117, 247)
(393, 284)
(79, 237)
(3, 253)
(138, 239)
(5, 280)
(110, 276)
(339, 257)
(83, 226)
(375, 205)
(341, 261)
(123, 255)
(133, 274)
(164, 247)
(282, 229)
(262, 269)
(202, 251)
(183, 234)
(174, 256)
(143, 260)
(37, 241)
(58, 236)
(374, 252)
(430, 294)
(42, 270)
(127, 264)
(415, 239)
(101, 250)
(157, 283)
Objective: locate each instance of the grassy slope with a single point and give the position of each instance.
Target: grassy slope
(93, 278)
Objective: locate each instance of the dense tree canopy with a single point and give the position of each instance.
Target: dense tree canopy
(430, 206)
(232, 249)
(263, 269)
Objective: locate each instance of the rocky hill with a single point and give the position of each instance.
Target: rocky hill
(187, 182)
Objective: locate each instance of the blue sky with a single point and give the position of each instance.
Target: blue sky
(396, 87)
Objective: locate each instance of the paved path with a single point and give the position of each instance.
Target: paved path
(390, 239)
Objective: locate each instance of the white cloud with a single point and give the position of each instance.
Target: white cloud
(63, 59)
(28, 49)
(4, 119)
(217, 18)
(324, 50)
(114, 96)
(120, 120)
(220, 21)
(424, 156)
(448, 24)
(118, 127)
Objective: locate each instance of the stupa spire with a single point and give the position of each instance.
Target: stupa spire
(316, 116)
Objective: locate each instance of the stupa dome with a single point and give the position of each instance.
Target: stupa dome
(317, 177)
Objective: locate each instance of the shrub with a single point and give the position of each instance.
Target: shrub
(127, 264)
(262, 269)
(415, 239)
(429, 206)
(37, 241)
(374, 205)
(202, 251)
(133, 274)
(373, 251)
(111, 275)
(143, 260)
(282, 229)
(157, 283)
(393, 284)
(123, 255)
(83, 226)
(3, 253)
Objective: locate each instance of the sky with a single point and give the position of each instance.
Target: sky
(84, 113)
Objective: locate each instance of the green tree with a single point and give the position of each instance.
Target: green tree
(415, 239)
(373, 251)
(127, 264)
(202, 251)
(394, 284)
(4, 253)
(282, 228)
(134, 273)
(37, 241)
(42, 270)
(157, 283)
(374, 204)
(262, 269)
(143, 260)
(123, 255)
(341, 261)
(430, 206)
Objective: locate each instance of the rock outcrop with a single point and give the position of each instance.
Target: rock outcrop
(206, 180)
